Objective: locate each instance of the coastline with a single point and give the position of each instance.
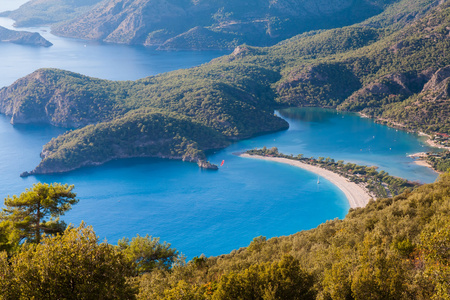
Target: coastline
(356, 195)
(418, 158)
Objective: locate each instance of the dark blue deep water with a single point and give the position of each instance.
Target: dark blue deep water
(196, 211)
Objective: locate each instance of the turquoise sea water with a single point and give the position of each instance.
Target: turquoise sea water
(197, 211)
(215, 212)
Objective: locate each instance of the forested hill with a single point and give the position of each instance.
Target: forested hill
(205, 24)
(391, 72)
(174, 115)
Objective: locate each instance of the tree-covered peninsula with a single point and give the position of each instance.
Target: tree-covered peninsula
(383, 68)
(176, 115)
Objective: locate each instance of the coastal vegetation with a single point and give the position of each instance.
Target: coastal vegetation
(397, 247)
(35, 212)
(378, 184)
(394, 248)
(439, 161)
(388, 70)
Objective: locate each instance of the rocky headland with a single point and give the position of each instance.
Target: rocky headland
(23, 38)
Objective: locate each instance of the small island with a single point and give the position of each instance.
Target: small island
(23, 38)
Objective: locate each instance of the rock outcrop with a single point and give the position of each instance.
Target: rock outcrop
(207, 165)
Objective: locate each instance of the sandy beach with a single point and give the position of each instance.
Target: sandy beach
(423, 163)
(356, 195)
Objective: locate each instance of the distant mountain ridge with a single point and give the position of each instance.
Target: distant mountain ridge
(185, 24)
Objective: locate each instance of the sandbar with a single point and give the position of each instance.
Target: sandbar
(356, 195)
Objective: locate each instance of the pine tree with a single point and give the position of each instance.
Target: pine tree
(37, 211)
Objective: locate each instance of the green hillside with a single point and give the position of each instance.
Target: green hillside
(23, 38)
(390, 72)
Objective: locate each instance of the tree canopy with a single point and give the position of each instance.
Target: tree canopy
(71, 265)
(36, 211)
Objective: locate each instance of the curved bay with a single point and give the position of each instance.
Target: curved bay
(215, 212)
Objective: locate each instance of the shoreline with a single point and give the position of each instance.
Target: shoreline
(356, 195)
(418, 158)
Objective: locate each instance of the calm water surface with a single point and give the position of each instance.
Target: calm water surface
(101, 60)
(216, 212)
(197, 211)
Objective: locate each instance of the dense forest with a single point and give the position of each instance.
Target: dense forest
(394, 248)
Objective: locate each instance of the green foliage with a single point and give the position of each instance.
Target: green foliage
(440, 162)
(257, 243)
(435, 254)
(23, 37)
(380, 71)
(36, 211)
(394, 248)
(279, 280)
(220, 24)
(73, 265)
(147, 253)
(137, 134)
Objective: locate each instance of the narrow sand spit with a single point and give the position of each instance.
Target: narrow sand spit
(356, 195)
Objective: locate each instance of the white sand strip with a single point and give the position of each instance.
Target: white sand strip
(356, 195)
